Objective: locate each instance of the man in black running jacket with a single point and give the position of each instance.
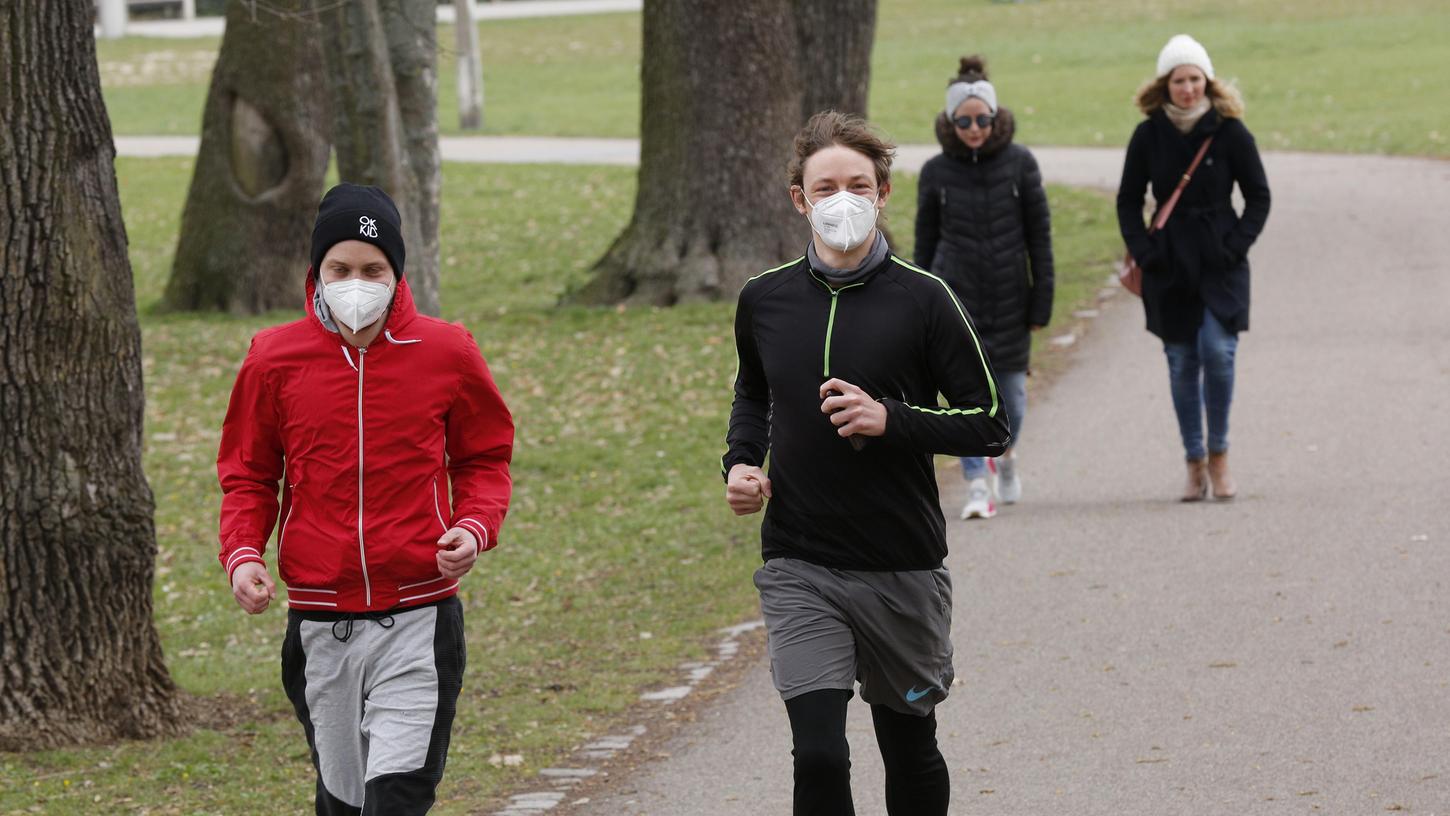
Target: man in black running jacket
(843, 353)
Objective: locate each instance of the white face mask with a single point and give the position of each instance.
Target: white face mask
(357, 303)
(844, 220)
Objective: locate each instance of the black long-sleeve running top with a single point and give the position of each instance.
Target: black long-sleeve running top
(898, 333)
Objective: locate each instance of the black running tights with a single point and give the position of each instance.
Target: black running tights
(917, 783)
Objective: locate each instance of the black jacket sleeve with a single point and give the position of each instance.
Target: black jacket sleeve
(748, 437)
(1131, 192)
(1248, 171)
(974, 423)
(928, 217)
(1037, 224)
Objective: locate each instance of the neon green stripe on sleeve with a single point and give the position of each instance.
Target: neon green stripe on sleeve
(986, 370)
(944, 411)
(776, 269)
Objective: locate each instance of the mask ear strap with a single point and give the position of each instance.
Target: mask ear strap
(319, 305)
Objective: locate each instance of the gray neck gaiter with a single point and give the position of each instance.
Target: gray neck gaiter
(843, 277)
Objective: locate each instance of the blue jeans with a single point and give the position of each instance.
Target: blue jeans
(1201, 376)
(1012, 391)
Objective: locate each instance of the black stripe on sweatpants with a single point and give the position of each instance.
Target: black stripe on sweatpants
(294, 682)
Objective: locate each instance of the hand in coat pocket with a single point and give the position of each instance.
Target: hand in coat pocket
(1230, 258)
(1152, 261)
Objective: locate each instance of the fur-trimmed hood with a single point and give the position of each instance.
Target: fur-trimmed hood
(1003, 130)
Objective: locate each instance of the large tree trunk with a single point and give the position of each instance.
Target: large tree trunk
(79, 657)
(720, 107)
(381, 58)
(834, 51)
(246, 229)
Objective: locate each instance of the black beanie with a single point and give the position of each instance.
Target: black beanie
(354, 212)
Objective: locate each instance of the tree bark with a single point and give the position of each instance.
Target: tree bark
(381, 58)
(470, 67)
(79, 658)
(834, 50)
(246, 229)
(719, 109)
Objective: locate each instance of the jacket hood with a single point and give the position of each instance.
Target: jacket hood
(400, 313)
(1003, 130)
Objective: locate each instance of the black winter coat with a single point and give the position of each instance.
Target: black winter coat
(982, 224)
(1200, 257)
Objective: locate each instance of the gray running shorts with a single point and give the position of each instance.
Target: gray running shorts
(829, 628)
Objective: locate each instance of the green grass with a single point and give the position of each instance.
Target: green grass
(154, 86)
(617, 527)
(556, 76)
(1328, 75)
(1335, 75)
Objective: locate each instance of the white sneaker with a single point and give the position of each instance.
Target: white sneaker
(979, 501)
(1009, 484)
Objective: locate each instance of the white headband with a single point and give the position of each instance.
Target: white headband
(959, 92)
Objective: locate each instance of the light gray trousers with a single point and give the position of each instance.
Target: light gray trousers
(375, 694)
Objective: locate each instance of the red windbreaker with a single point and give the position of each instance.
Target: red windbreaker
(366, 444)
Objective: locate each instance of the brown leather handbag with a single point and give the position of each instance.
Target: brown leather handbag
(1129, 273)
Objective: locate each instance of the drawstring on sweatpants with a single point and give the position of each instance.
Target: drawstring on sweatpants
(384, 620)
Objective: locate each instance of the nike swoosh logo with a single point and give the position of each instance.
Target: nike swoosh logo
(913, 695)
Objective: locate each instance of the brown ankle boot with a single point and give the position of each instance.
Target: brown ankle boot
(1223, 482)
(1197, 487)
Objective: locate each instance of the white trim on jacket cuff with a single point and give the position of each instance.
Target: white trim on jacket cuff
(479, 531)
(240, 556)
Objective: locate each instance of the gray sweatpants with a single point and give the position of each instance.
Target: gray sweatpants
(829, 628)
(375, 694)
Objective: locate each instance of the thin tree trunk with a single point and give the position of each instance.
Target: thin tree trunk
(719, 109)
(112, 16)
(247, 228)
(470, 67)
(381, 59)
(79, 658)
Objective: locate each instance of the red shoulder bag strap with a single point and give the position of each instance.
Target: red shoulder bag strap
(1167, 209)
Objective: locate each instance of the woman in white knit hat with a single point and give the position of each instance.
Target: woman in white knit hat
(982, 225)
(1195, 269)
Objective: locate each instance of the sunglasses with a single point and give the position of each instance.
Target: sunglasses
(983, 120)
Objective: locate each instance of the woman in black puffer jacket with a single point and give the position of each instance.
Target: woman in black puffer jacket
(1196, 269)
(982, 224)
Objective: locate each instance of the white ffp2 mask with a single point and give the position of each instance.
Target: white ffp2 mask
(357, 303)
(844, 220)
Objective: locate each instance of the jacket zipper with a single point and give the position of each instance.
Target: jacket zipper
(437, 508)
(831, 323)
(362, 356)
(282, 536)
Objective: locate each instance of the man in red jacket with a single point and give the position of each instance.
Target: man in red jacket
(369, 415)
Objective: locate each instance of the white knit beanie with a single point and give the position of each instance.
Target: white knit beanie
(959, 92)
(1184, 50)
